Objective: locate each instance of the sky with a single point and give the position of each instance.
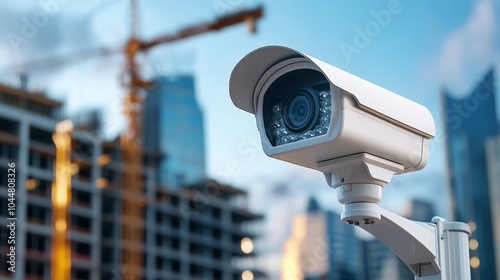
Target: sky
(413, 48)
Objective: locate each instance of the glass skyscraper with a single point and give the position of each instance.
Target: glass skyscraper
(469, 122)
(493, 156)
(321, 247)
(173, 126)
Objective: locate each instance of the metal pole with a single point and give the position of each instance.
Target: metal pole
(456, 249)
(452, 252)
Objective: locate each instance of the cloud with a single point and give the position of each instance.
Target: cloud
(469, 50)
(31, 33)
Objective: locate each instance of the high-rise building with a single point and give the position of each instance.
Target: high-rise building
(469, 121)
(321, 247)
(381, 263)
(173, 126)
(493, 156)
(192, 233)
(27, 122)
(202, 231)
(419, 210)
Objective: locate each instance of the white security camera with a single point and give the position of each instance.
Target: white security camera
(359, 135)
(315, 115)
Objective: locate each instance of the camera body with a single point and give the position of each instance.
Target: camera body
(309, 112)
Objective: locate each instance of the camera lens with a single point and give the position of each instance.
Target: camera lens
(301, 110)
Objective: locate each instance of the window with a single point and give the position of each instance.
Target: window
(34, 268)
(108, 205)
(195, 249)
(37, 159)
(217, 254)
(175, 223)
(81, 197)
(43, 188)
(176, 266)
(84, 173)
(107, 255)
(159, 263)
(216, 213)
(80, 223)
(9, 126)
(216, 233)
(175, 243)
(38, 214)
(83, 149)
(108, 230)
(40, 135)
(195, 270)
(35, 242)
(79, 273)
(9, 151)
(81, 250)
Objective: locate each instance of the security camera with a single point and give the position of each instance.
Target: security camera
(315, 115)
(359, 135)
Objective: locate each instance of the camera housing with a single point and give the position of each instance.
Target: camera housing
(359, 135)
(309, 112)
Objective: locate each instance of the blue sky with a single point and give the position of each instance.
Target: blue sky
(424, 46)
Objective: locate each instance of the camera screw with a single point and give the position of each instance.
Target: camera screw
(368, 222)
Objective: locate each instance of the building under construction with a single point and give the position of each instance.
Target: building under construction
(198, 232)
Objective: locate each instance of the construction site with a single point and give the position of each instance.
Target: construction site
(87, 207)
(231, 139)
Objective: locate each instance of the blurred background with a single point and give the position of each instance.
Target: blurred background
(166, 177)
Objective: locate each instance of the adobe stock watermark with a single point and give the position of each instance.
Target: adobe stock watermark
(202, 198)
(91, 138)
(317, 257)
(118, 275)
(363, 36)
(464, 109)
(31, 25)
(222, 7)
(455, 116)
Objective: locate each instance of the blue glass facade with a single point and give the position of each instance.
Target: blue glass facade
(469, 122)
(339, 242)
(173, 125)
(345, 255)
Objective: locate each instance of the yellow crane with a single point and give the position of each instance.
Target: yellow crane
(131, 141)
(61, 198)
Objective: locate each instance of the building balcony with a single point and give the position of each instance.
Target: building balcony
(82, 230)
(42, 147)
(33, 277)
(9, 138)
(7, 275)
(38, 221)
(39, 194)
(80, 204)
(38, 255)
(80, 257)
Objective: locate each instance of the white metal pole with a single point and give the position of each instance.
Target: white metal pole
(452, 252)
(456, 248)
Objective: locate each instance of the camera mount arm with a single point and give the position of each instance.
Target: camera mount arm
(432, 251)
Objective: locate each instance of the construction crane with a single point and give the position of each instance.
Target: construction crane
(131, 141)
(61, 198)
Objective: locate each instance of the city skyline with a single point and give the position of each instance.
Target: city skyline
(182, 238)
(414, 49)
(386, 50)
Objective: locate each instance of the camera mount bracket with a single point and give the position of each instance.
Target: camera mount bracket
(359, 179)
(432, 251)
